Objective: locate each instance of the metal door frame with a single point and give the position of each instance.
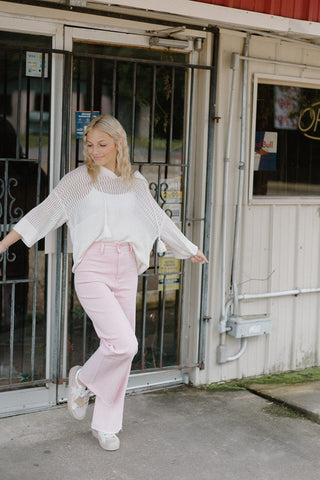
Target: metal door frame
(170, 375)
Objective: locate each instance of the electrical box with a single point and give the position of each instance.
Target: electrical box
(248, 325)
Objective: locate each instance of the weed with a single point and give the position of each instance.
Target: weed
(300, 376)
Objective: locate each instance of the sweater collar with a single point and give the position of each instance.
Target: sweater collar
(107, 173)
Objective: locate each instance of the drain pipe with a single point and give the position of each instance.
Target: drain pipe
(238, 217)
(222, 350)
(223, 320)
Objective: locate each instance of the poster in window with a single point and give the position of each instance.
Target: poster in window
(286, 107)
(265, 156)
(34, 65)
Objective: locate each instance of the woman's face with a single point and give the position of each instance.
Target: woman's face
(102, 149)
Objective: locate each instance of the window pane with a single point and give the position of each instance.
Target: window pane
(287, 143)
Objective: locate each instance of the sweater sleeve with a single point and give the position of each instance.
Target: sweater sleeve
(36, 224)
(170, 233)
(174, 238)
(164, 227)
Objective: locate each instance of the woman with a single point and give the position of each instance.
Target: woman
(113, 222)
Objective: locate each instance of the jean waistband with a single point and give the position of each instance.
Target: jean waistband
(113, 246)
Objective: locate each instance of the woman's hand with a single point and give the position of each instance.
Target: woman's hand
(199, 257)
(3, 247)
(8, 240)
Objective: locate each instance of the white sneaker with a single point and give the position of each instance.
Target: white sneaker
(108, 441)
(78, 395)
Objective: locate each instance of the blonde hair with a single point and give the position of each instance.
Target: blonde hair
(111, 126)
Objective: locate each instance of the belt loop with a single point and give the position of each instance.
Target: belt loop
(101, 247)
(118, 247)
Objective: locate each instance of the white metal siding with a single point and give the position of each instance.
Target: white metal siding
(279, 238)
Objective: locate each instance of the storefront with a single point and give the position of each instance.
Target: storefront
(52, 84)
(222, 119)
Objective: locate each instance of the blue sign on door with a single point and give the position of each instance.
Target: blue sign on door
(82, 120)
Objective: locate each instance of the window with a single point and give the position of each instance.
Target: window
(286, 139)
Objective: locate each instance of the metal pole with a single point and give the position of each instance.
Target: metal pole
(221, 348)
(295, 291)
(238, 217)
(61, 233)
(208, 201)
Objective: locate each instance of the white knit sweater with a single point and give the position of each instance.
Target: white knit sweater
(108, 210)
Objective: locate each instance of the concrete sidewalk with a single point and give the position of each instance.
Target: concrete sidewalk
(186, 434)
(302, 397)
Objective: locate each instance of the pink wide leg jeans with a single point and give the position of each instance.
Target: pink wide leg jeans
(106, 285)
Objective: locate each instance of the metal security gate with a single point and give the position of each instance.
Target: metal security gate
(30, 72)
(43, 328)
(25, 89)
(154, 99)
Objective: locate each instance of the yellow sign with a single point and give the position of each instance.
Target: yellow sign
(309, 120)
(172, 195)
(167, 265)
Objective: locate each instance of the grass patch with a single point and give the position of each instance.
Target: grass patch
(231, 386)
(301, 376)
(281, 411)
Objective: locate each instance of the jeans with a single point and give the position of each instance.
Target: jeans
(106, 285)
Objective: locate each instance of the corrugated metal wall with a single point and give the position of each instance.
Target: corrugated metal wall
(280, 237)
(299, 9)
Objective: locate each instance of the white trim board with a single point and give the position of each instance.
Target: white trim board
(216, 14)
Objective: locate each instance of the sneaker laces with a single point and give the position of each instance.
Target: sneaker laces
(108, 435)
